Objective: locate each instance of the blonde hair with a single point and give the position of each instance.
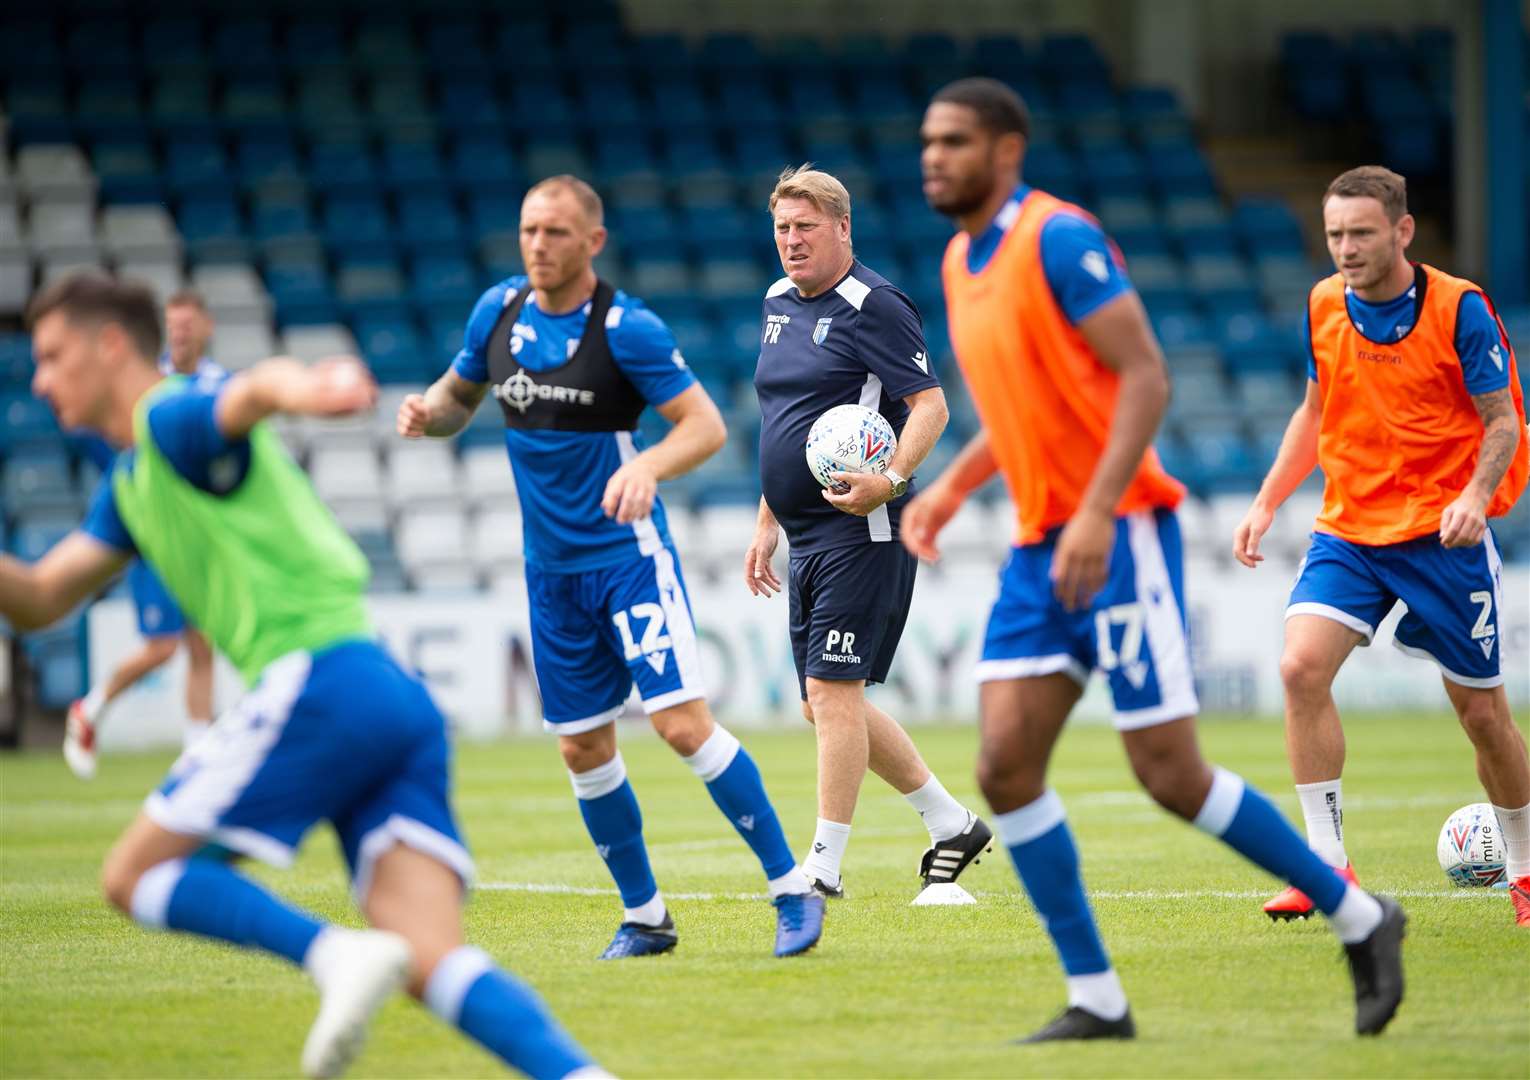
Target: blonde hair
(582, 192)
(816, 186)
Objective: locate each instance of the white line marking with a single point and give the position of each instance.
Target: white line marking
(1151, 895)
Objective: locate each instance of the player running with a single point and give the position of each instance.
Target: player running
(332, 728)
(1070, 385)
(1414, 412)
(188, 331)
(573, 363)
(836, 332)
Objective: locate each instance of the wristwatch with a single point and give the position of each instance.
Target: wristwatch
(899, 485)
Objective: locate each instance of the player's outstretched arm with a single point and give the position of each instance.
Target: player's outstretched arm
(336, 386)
(442, 410)
(697, 434)
(1294, 462)
(34, 595)
(927, 513)
(1119, 334)
(759, 576)
(1465, 520)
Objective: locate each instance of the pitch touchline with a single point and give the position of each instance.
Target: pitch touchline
(1103, 894)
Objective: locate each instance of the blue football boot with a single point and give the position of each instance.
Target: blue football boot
(636, 939)
(799, 922)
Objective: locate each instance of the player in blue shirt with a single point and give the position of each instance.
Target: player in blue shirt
(835, 333)
(188, 332)
(572, 363)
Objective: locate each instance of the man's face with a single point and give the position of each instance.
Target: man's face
(1364, 243)
(558, 240)
(188, 329)
(71, 369)
(813, 246)
(958, 159)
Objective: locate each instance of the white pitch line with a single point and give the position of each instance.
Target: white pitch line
(1102, 894)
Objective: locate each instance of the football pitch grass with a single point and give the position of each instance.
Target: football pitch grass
(892, 990)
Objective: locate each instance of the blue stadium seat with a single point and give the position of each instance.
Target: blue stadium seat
(1001, 57)
(495, 215)
(128, 172)
(1049, 166)
(172, 36)
(15, 361)
(1179, 169)
(411, 167)
(1267, 227)
(102, 47)
(430, 224)
(301, 293)
(25, 421)
(268, 161)
(196, 167)
(35, 533)
(313, 40)
(1180, 327)
(681, 106)
(1316, 75)
(368, 286)
(30, 46)
(1114, 169)
(213, 229)
(443, 280)
(393, 349)
(454, 46)
(280, 222)
(468, 103)
(542, 106)
(110, 108)
(245, 45)
(182, 107)
(38, 479)
(254, 104)
(357, 226)
(728, 55)
(483, 163)
(749, 108)
(1250, 342)
(39, 111)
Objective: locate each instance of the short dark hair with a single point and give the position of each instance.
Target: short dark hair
(187, 298)
(999, 109)
(1373, 182)
(94, 298)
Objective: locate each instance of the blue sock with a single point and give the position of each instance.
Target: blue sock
(615, 822)
(202, 896)
(503, 1014)
(733, 781)
(1042, 848)
(1251, 825)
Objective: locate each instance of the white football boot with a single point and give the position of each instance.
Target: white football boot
(357, 970)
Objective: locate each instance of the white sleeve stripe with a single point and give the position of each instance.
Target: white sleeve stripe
(854, 291)
(779, 287)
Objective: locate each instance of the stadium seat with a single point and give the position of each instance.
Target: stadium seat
(25, 421)
(495, 540)
(421, 474)
(232, 292)
(52, 173)
(37, 480)
(139, 232)
(431, 539)
(64, 231)
(315, 342)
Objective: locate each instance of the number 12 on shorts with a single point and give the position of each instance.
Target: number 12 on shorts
(653, 638)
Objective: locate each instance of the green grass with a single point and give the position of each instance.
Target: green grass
(891, 991)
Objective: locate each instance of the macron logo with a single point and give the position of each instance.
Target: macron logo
(1497, 354)
(1093, 263)
(924, 362)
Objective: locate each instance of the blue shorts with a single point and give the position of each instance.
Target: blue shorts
(344, 735)
(1453, 597)
(596, 633)
(848, 608)
(158, 613)
(1134, 630)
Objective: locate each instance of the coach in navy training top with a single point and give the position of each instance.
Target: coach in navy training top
(835, 332)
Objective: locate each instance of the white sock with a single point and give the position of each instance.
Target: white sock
(1323, 810)
(1100, 993)
(829, 843)
(1356, 916)
(317, 961)
(649, 914)
(793, 882)
(1515, 827)
(713, 757)
(193, 731)
(943, 816)
(93, 704)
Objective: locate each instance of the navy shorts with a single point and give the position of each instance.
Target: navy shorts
(158, 613)
(343, 735)
(1453, 597)
(848, 607)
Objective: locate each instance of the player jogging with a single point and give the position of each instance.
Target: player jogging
(331, 729)
(1414, 412)
(573, 363)
(1070, 386)
(835, 332)
(188, 331)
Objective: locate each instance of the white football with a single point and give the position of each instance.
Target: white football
(1471, 847)
(849, 438)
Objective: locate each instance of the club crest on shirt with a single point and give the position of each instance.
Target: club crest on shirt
(821, 331)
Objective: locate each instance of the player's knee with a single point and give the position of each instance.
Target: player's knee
(685, 727)
(1483, 721)
(1303, 674)
(161, 649)
(119, 877)
(807, 711)
(1007, 784)
(1175, 780)
(580, 755)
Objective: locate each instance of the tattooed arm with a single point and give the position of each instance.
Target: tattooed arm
(1465, 520)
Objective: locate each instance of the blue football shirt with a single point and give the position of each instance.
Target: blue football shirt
(561, 475)
(859, 342)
